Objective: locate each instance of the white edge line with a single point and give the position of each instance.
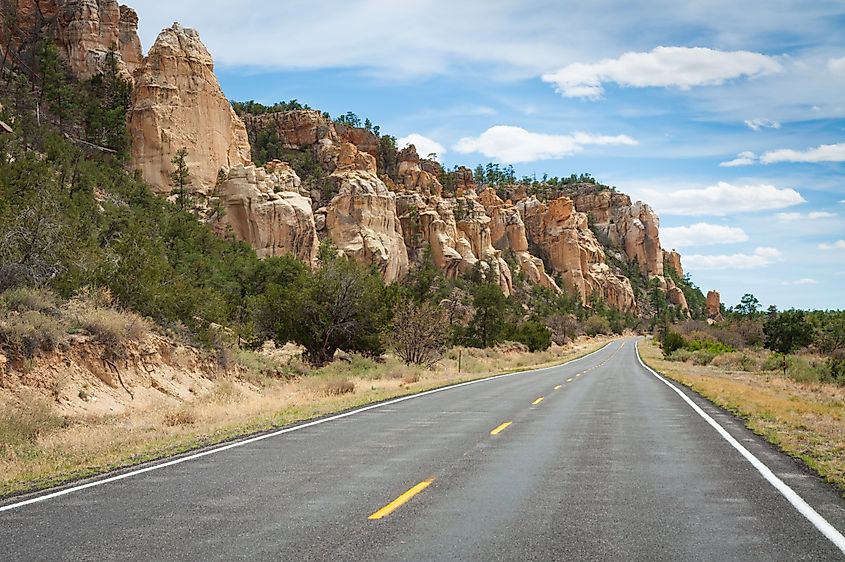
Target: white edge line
(791, 495)
(251, 440)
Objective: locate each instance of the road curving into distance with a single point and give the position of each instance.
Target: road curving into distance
(598, 459)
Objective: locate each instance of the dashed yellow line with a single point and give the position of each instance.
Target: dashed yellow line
(569, 380)
(501, 428)
(558, 387)
(401, 500)
(537, 401)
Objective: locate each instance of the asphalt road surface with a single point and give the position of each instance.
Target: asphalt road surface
(601, 460)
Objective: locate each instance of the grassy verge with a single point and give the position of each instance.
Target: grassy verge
(804, 419)
(39, 449)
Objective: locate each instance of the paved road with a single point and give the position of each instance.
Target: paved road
(611, 464)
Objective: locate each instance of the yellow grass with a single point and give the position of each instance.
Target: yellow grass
(57, 450)
(804, 419)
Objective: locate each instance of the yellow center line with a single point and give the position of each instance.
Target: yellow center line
(401, 500)
(537, 401)
(501, 428)
(569, 380)
(558, 387)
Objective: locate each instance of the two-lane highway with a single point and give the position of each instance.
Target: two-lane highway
(598, 459)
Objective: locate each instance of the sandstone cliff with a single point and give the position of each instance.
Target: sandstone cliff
(177, 102)
(361, 219)
(564, 238)
(83, 30)
(385, 213)
(267, 210)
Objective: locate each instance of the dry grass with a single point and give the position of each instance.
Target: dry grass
(234, 407)
(337, 386)
(805, 419)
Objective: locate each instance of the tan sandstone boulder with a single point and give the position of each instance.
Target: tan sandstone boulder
(177, 102)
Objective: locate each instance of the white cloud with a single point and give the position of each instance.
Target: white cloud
(836, 66)
(838, 245)
(822, 153)
(760, 258)
(721, 199)
(682, 67)
(424, 145)
(746, 158)
(515, 144)
(701, 234)
(759, 123)
(815, 215)
(804, 281)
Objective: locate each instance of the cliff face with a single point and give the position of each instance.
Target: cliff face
(563, 235)
(266, 209)
(390, 222)
(177, 102)
(83, 30)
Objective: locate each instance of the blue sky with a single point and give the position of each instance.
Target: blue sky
(727, 117)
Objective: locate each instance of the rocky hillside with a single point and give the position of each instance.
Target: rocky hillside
(345, 184)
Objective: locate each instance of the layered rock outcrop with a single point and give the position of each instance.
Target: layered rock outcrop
(267, 210)
(361, 219)
(84, 31)
(455, 230)
(297, 129)
(563, 236)
(630, 227)
(177, 102)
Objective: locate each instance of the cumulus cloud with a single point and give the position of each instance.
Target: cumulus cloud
(424, 145)
(760, 258)
(681, 67)
(822, 153)
(757, 124)
(836, 66)
(746, 158)
(792, 217)
(804, 281)
(515, 144)
(838, 245)
(722, 199)
(701, 234)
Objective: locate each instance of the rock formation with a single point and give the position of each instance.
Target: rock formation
(83, 30)
(563, 236)
(266, 210)
(298, 129)
(455, 230)
(714, 306)
(177, 102)
(631, 228)
(673, 260)
(361, 219)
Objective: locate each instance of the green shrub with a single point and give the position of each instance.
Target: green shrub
(596, 325)
(703, 357)
(671, 342)
(711, 346)
(536, 336)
